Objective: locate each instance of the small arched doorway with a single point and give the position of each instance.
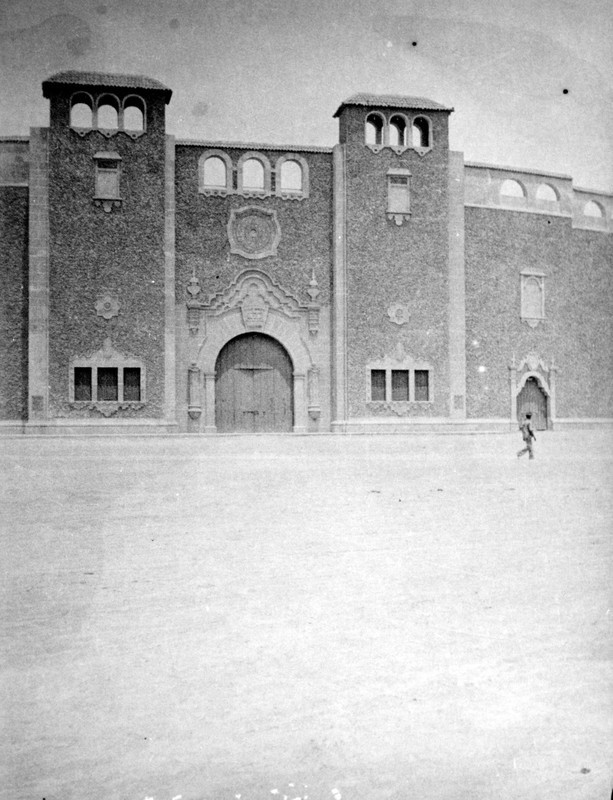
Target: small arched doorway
(532, 398)
(253, 386)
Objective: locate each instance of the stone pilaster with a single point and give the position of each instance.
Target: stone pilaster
(38, 330)
(339, 281)
(457, 304)
(300, 403)
(170, 393)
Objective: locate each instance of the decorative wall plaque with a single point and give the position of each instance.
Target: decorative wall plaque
(253, 232)
(398, 313)
(107, 306)
(254, 307)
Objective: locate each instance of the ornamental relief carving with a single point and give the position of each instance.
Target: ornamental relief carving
(253, 232)
(255, 294)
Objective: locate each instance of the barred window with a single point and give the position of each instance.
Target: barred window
(83, 383)
(398, 198)
(400, 384)
(108, 384)
(422, 384)
(377, 384)
(131, 383)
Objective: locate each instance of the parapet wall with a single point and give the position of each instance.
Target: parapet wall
(512, 189)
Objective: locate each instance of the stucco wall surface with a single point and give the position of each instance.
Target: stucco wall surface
(577, 330)
(13, 302)
(94, 253)
(389, 263)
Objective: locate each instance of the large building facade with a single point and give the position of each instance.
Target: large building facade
(382, 285)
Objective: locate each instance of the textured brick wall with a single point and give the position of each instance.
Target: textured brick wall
(94, 252)
(13, 302)
(202, 246)
(387, 263)
(577, 330)
(202, 237)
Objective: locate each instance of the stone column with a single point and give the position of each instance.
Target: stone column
(313, 394)
(209, 403)
(194, 398)
(300, 405)
(552, 397)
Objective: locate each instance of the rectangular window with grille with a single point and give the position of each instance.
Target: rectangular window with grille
(422, 384)
(131, 383)
(398, 199)
(400, 384)
(377, 384)
(107, 180)
(108, 386)
(83, 383)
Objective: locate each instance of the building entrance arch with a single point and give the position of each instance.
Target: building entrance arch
(532, 398)
(253, 386)
(220, 329)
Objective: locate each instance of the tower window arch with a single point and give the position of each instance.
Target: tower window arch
(421, 133)
(134, 115)
(81, 111)
(215, 173)
(374, 130)
(107, 117)
(592, 209)
(512, 193)
(292, 177)
(398, 131)
(546, 193)
(253, 175)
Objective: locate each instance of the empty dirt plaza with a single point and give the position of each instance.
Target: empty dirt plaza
(325, 618)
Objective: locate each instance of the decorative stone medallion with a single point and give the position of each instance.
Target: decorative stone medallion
(107, 306)
(398, 313)
(253, 232)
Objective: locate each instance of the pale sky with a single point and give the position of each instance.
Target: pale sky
(530, 80)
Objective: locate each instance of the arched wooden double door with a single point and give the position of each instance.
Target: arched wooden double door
(253, 386)
(532, 398)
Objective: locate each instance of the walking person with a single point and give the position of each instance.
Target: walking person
(528, 436)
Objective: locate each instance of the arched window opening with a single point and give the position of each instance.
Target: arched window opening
(134, 116)
(215, 173)
(420, 132)
(510, 188)
(398, 131)
(291, 176)
(253, 174)
(547, 193)
(374, 129)
(592, 209)
(108, 117)
(81, 113)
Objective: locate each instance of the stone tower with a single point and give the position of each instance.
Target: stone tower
(101, 317)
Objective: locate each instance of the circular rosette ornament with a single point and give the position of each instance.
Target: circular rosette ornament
(107, 307)
(398, 313)
(253, 232)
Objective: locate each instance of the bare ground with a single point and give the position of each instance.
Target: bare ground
(366, 618)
